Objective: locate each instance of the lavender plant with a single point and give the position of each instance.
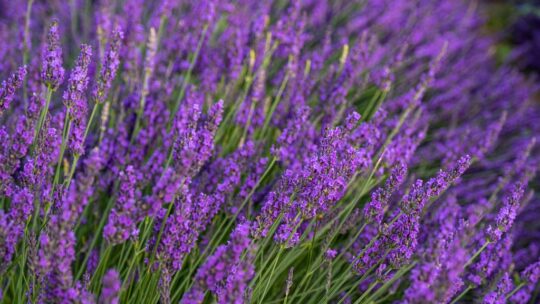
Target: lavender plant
(270, 151)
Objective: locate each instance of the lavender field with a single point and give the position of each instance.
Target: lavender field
(266, 151)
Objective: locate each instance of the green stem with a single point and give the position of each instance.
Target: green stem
(388, 283)
(461, 294)
(365, 293)
(274, 105)
(132, 263)
(102, 222)
(65, 138)
(280, 251)
(98, 274)
(310, 292)
(76, 157)
(269, 279)
(41, 121)
(515, 290)
(475, 255)
(43, 114)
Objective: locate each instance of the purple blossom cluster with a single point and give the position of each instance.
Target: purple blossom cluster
(262, 152)
(226, 272)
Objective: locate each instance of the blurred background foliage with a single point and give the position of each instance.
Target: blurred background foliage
(517, 25)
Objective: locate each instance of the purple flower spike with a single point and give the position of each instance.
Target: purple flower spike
(225, 273)
(52, 73)
(108, 67)
(374, 210)
(75, 101)
(507, 214)
(111, 287)
(8, 87)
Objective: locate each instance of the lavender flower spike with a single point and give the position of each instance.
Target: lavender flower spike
(111, 287)
(108, 67)
(74, 99)
(507, 214)
(7, 90)
(53, 72)
(374, 210)
(225, 273)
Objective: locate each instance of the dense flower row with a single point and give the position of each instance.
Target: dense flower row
(263, 151)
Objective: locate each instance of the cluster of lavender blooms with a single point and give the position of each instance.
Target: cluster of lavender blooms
(203, 151)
